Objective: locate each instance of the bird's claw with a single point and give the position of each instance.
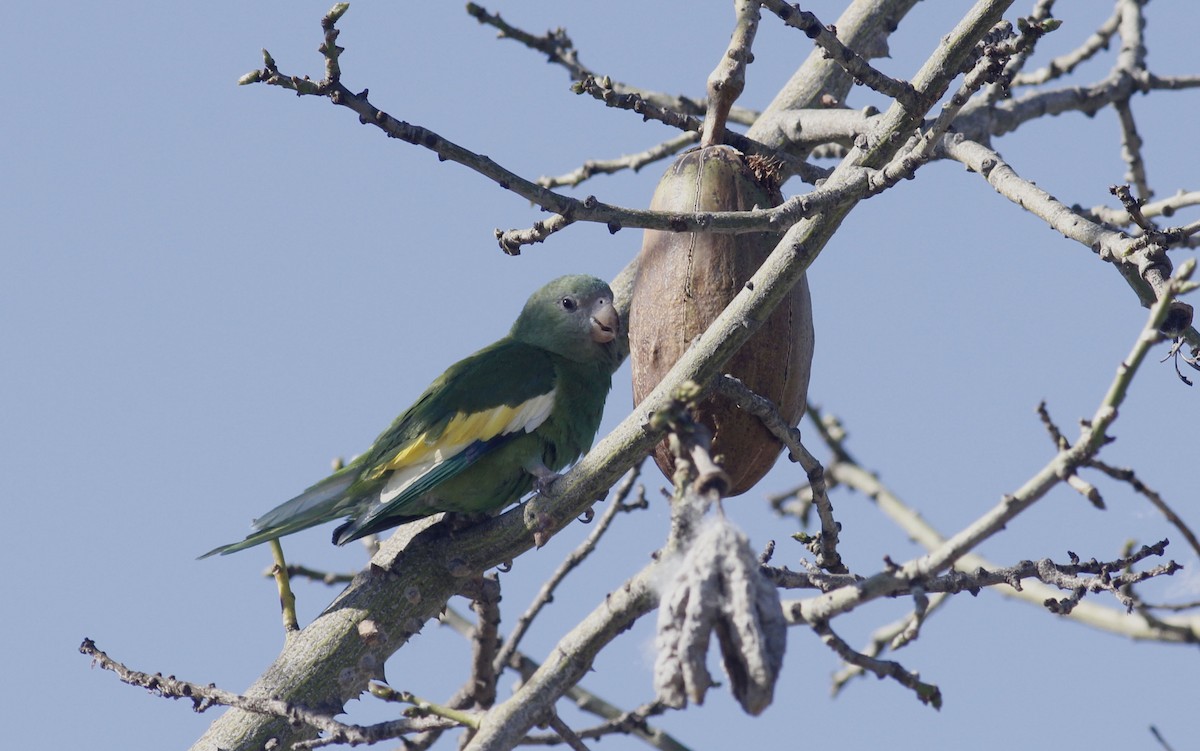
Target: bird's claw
(543, 483)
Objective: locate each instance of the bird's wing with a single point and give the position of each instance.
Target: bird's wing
(496, 395)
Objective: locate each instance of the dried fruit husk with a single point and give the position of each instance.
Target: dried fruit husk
(684, 280)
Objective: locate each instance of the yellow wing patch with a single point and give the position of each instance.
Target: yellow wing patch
(465, 429)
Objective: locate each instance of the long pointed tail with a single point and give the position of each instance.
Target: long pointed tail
(321, 503)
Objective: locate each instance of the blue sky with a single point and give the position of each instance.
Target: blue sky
(210, 291)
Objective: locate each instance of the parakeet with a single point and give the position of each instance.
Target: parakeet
(485, 432)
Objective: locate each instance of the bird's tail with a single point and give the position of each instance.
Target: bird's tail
(321, 503)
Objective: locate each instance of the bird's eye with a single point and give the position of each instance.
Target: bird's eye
(567, 303)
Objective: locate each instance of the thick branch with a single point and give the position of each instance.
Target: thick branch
(728, 80)
(617, 720)
(505, 725)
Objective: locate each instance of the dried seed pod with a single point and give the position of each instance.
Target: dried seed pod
(718, 588)
(685, 280)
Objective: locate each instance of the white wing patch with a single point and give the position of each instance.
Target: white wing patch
(423, 454)
(401, 479)
(531, 414)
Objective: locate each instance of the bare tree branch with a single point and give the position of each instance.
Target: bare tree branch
(893, 636)
(926, 692)
(1064, 64)
(567, 663)
(948, 553)
(728, 80)
(546, 594)
(634, 162)
(206, 697)
(1165, 207)
(1128, 476)
(559, 49)
(631, 722)
(1142, 267)
(852, 62)
(825, 546)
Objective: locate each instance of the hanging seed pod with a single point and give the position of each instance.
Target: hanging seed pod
(684, 280)
(717, 588)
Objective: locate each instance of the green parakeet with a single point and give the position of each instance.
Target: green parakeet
(485, 432)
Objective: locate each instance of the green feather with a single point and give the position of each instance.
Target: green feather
(489, 416)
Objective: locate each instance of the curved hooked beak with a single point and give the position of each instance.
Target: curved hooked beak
(605, 322)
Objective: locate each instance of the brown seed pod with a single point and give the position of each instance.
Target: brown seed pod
(684, 280)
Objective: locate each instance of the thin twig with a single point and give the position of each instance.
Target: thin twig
(928, 693)
(296, 571)
(602, 89)
(628, 162)
(1173, 607)
(853, 63)
(813, 578)
(893, 636)
(1128, 476)
(564, 731)
(1165, 207)
(560, 50)
(287, 599)
(423, 707)
(1077, 483)
(828, 557)
(1131, 150)
(1078, 577)
(512, 240)
(624, 725)
(1161, 740)
(1041, 14)
(577, 556)
(1064, 64)
(1153, 82)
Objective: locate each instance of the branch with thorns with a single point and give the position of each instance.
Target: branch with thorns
(204, 697)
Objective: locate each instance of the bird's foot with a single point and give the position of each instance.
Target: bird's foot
(545, 483)
(543, 478)
(457, 521)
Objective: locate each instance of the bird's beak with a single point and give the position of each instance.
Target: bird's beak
(605, 322)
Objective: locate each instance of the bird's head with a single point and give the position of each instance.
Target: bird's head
(572, 316)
